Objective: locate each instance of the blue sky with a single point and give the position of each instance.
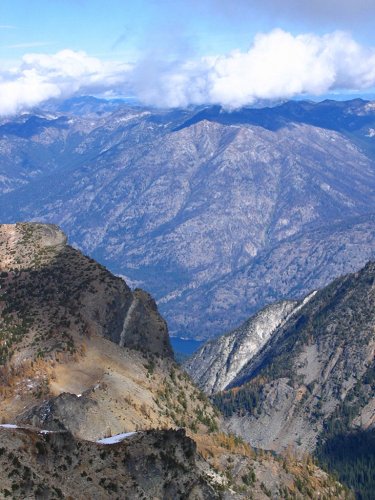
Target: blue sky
(163, 38)
(119, 27)
(107, 28)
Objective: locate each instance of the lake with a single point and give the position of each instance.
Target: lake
(186, 347)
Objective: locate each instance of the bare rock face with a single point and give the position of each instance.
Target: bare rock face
(56, 295)
(149, 465)
(218, 362)
(143, 327)
(22, 245)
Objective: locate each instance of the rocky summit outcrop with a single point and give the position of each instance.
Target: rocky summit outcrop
(149, 465)
(215, 213)
(66, 297)
(315, 375)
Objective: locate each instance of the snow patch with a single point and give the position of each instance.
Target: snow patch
(41, 431)
(117, 438)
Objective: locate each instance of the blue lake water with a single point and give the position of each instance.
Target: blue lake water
(185, 346)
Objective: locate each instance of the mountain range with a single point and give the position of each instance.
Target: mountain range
(216, 213)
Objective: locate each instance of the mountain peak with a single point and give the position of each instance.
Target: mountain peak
(49, 289)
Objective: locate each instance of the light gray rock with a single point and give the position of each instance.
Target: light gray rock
(218, 362)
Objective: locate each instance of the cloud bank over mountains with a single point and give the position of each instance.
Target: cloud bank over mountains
(277, 65)
(40, 77)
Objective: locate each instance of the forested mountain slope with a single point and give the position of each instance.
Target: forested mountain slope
(215, 213)
(302, 375)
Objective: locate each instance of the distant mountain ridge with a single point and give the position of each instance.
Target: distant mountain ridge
(216, 213)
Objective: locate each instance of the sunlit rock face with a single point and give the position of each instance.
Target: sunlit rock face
(218, 362)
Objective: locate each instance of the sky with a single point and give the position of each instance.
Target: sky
(180, 53)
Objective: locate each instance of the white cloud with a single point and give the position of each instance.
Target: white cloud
(278, 65)
(40, 77)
